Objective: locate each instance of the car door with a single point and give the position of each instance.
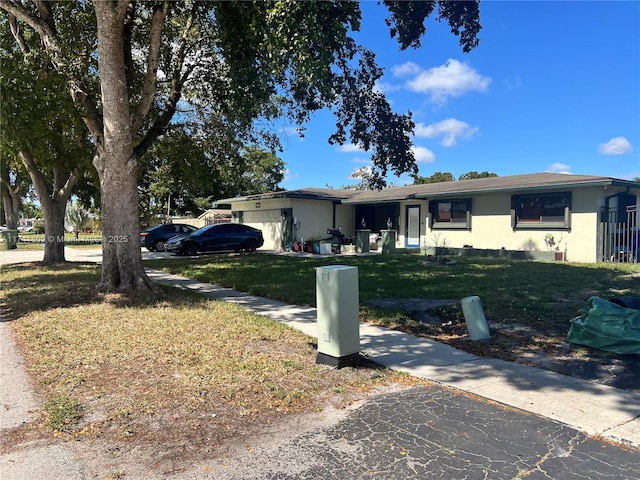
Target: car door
(236, 236)
(214, 238)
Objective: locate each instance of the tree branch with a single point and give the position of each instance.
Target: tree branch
(178, 79)
(87, 109)
(17, 34)
(36, 176)
(44, 10)
(63, 182)
(42, 27)
(150, 79)
(160, 125)
(128, 34)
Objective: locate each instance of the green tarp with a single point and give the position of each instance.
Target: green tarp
(606, 325)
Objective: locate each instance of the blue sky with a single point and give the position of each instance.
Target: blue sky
(552, 87)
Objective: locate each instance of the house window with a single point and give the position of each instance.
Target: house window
(450, 213)
(547, 210)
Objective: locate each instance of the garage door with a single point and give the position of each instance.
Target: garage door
(270, 222)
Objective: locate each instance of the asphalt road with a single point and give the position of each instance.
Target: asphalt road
(433, 432)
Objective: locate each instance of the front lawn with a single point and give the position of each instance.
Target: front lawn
(528, 305)
(547, 294)
(173, 372)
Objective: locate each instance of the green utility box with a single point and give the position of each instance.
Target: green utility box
(338, 314)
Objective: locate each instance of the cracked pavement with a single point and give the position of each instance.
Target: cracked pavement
(435, 432)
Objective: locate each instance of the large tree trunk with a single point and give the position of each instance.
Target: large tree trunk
(54, 210)
(10, 200)
(53, 205)
(116, 162)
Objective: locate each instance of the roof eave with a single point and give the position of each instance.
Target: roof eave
(592, 183)
(275, 195)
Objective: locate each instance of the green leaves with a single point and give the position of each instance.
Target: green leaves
(408, 17)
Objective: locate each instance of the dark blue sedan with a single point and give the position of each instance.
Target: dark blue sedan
(218, 237)
(155, 238)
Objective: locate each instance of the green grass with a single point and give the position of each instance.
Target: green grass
(30, 246)
(546, 295)
(62, 413)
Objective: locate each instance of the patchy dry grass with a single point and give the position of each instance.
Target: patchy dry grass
(175, 369)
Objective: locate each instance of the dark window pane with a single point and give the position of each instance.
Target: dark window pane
(542, 208)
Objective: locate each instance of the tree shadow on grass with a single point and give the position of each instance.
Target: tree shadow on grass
(35, 287)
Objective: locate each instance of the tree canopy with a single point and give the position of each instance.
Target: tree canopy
(474, 174)
(448, 177)
(435, 178)
(42, 133)
(134, 68)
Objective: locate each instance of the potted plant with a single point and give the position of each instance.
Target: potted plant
(550, 240)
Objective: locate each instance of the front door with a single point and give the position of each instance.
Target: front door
(412, 232)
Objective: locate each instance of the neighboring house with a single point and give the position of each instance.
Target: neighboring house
(589, 218)
(211, 216)
(215, 215)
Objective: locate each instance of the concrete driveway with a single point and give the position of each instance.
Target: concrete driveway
(71, 254)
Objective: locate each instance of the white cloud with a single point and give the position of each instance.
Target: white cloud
(558, 168)
(349, 148)
(386, 87)
(615, 146)
(288, 176)
(291, 131)
(450, 130)
(406, 69)
(451, 80)
(423, 155)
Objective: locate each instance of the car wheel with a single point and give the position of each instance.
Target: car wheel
(251, 245)
(159, 246)
(190, 249)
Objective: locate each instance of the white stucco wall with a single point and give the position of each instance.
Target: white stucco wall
(313, 218)
(491, 227)
(490, 223)
(345, 218)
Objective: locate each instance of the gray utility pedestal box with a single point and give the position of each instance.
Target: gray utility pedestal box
(362, 241)
(338, 303)
(388, 241)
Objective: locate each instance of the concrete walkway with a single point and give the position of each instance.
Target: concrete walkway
(586, 406)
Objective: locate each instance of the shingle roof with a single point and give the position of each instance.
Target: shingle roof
(530, 181)
(306, 193)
